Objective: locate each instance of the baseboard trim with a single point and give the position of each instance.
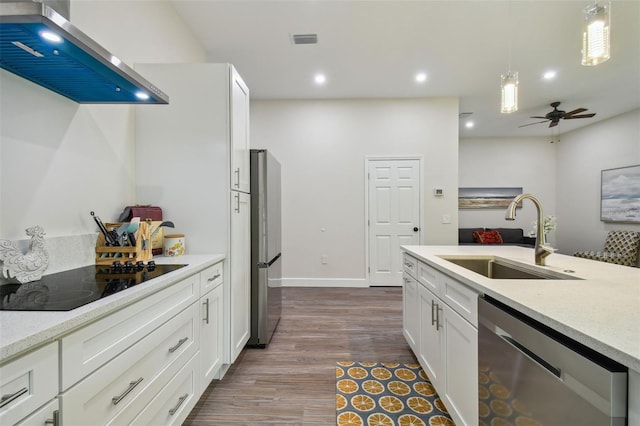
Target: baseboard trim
(324, 282)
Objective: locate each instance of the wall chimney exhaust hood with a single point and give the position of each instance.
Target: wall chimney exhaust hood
(38, 43)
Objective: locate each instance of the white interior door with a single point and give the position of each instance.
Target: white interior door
(394, 216)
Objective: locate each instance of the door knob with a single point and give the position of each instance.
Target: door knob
(416, 229)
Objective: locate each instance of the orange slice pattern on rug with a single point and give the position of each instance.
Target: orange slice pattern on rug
(363, 403)
(399, 388)
(410, 420)
(349, 419)
(373, 387)
(387, 394)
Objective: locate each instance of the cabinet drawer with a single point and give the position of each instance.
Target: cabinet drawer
(430, 278)
(174, 402)
(90, 347)
(28, 382)
(410, 265)
(127, 383)
(42, 416)
(461, 299)
(211, 277)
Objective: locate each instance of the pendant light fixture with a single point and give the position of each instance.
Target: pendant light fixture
(509, 84)
(595, 34)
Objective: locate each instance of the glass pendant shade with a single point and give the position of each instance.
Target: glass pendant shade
(509, 87)
(595, 35)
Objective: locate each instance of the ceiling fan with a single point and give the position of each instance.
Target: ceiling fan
(554, 116)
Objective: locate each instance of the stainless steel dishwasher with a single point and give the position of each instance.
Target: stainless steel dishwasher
(529, 374)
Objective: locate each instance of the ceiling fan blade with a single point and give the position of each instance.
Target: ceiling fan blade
(531, 124)
(580, 116)
(553, 124)
(575, 111)
(536, 116)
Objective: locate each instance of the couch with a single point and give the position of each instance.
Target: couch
(509, 236)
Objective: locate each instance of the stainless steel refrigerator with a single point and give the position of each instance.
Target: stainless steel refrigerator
(266, 256)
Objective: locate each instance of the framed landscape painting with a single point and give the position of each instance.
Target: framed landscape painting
(620, 195)
(487, 198)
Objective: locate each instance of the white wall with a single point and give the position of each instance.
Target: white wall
(59, 160)
(529, 163)
(322, 147)
(582, 155)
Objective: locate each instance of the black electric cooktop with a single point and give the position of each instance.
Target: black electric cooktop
(68, 290)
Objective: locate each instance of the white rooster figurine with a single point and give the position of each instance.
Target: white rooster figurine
(29, 266)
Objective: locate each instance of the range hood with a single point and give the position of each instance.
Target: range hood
(38, 43)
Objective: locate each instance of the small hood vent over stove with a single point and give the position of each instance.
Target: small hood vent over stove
(38, 43)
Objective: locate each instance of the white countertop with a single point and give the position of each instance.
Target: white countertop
(23, 330)
(601, 311)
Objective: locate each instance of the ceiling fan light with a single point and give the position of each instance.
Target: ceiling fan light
(509, 89)
(596, 32)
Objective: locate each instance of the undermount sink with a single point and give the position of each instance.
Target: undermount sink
(502, 269)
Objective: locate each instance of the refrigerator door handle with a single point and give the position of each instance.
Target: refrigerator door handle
(271, 262)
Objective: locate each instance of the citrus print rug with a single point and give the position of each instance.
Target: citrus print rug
(387, 394)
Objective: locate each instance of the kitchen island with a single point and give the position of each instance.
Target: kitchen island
(135, 355)
(600, 309)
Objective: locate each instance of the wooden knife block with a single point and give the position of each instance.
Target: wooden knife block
(106, 255)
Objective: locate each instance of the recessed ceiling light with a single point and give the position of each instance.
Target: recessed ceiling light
(549, 75)
(469, 124)
(320, 79)
(421, 77)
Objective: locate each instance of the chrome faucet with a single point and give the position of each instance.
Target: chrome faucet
(542, 250)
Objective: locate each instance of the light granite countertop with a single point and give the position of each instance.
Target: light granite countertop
(601, 310)
(21, 331)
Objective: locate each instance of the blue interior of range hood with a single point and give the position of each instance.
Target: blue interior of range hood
(68, 69)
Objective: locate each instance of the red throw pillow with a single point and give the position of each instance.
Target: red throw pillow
(487, 237)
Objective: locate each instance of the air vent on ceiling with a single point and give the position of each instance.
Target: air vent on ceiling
(304, 38)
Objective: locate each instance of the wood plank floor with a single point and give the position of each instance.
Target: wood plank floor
(292, 381)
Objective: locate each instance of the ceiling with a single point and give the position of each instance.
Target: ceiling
(373, 49)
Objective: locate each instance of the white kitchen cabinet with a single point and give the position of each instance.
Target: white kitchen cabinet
(411, 312)
(27, 383)
(119, 390)
(431, 339)
(211, 319)
(49, 414)
(240, 260)
(92, 346)
(460, 357)
(447, 339)
(174, 402)
(240, 160)
(192, 157)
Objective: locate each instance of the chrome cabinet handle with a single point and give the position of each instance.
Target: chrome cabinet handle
(181, 400)
(116, 399)
(237, 209)
(8, 398)
(408, 264)
(433, 317)
(438, 310)
(56, 419)
(180, 343)
(215, 277)
(237, 173)
(206, 303)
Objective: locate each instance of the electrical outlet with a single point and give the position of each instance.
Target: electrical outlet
(324, 259)
(446, 218)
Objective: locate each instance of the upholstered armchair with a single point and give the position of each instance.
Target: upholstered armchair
(620, 247)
